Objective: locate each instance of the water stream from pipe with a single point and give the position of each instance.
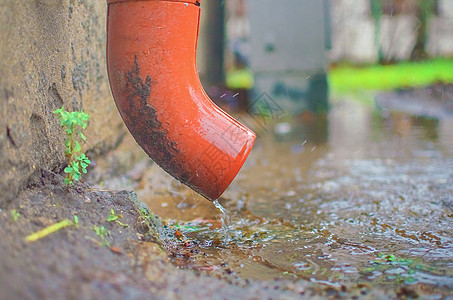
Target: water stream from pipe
(225, 220)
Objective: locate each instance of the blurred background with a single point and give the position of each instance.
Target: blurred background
(296, 51)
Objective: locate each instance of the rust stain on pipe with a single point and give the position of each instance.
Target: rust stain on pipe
(151, 50)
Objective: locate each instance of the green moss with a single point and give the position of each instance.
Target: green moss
(343, 79)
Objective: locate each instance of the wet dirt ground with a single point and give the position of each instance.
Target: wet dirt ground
(357, 203)
(127, 262)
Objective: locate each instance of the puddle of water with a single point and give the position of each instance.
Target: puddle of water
(368, 198)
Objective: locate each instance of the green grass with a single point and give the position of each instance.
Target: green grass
(347, 79)
(344, 79)
(239, 79)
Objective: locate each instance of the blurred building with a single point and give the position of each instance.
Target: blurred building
(287, 45)
(288, 52)
(363, 31)
(368, 31)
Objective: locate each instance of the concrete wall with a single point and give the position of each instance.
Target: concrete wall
(356, 38)
(440, 36)
(52, 53)
(353, 36)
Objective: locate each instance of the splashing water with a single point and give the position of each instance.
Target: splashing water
(225, 220)
(334, 215)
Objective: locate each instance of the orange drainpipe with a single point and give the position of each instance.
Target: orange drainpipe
(151, 63)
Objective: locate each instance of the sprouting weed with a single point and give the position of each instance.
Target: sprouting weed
(74, 122)
(113, 217)
(387, 262)
(187, 227)
(15, 214)
(102, 232)
(145, 218)
(392, 259)
(75, 169)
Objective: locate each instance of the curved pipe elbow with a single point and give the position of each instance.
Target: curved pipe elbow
(151, 50)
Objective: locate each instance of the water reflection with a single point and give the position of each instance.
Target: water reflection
(358, 195)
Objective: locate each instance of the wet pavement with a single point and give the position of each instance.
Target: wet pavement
(362, 195)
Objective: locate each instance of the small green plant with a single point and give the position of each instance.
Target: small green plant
(187, 227)
(102, 232)
(74, 122)
(113, 217)
(15, 214)
(145, 217)
(385, 263)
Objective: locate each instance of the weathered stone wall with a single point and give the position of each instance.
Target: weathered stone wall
(52, 53)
